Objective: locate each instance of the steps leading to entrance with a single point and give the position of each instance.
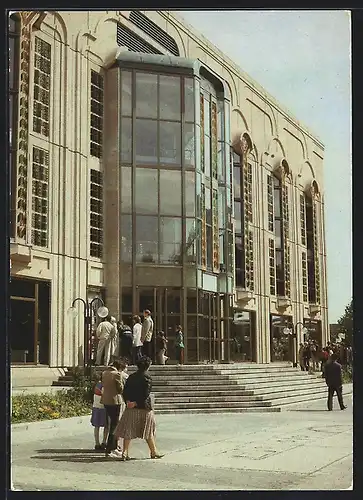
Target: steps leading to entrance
(214, 388)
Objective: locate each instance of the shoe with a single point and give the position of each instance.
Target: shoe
(344, 408)
(330, 409)
(157, 455)
(125, 458)
(114, 454)
(98, 447)
(103, 446)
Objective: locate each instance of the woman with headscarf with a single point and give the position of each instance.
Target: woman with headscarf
(138, 419)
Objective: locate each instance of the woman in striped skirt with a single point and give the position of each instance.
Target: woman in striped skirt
(138, 419)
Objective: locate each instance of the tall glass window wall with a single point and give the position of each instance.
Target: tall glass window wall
(176, 205)
(157, 168)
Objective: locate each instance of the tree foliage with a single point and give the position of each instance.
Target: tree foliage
(346, 323)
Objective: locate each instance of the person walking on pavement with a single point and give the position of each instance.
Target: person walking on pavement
(179, 345)
(333, 379)
(113, 386)
(147, 333)
(138, 419)
(136, 339)
(105, 331)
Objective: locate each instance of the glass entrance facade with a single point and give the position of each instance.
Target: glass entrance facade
(175, 206)
(205, 318)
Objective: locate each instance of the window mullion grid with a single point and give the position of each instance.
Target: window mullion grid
(285, 236)
(316, 253)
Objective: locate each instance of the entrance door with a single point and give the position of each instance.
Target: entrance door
(22, 330)
(29, 321)
(165, 307)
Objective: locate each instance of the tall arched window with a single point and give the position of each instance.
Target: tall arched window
(243, 215)
(14, 56)
(279, 237)
(278, 204)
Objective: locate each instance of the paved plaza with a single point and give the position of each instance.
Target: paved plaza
(305, 447)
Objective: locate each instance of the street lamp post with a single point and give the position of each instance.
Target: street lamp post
(102, 312)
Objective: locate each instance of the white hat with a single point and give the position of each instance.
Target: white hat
(113, 319)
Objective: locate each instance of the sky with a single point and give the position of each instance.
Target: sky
(302, 58)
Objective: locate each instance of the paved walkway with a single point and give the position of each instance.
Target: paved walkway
(305, 447)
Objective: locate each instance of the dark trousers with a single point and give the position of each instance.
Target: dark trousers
(339, 391)
(180, 354)
(113, 416)
(147, 349)
(136, 354)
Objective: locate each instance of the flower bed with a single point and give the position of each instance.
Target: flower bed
(63, 404)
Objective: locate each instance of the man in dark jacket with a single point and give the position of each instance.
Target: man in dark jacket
(333, 379)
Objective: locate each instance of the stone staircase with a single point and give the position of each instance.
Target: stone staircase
(220, 388)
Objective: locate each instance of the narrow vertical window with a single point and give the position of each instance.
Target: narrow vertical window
(42, 68)
(96, 214)
(270, 203)
(214, 140)
(40, 190)
(202, 131)
(316, 254)
(304, 277)
(249, 261)
(243, 215)
(279, 237)
(271, 254)
(302, 220)
(96, 131)
(286, 236)
(310, 249)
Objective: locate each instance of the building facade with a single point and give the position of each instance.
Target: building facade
(147, 169)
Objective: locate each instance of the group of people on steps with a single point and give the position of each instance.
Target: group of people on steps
(115, 339)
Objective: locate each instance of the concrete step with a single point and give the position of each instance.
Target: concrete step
(268, 395)
(232, 404)
(299, 398)
(266, 375)
(191, 383)
(202, 392)
(271, 391)
(314, 396)
(286, 383)
(161, 399)
(255, 371)
(198, 388)
(180, 411)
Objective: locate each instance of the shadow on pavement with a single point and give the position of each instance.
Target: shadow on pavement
(100, 457)
(69, 450)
